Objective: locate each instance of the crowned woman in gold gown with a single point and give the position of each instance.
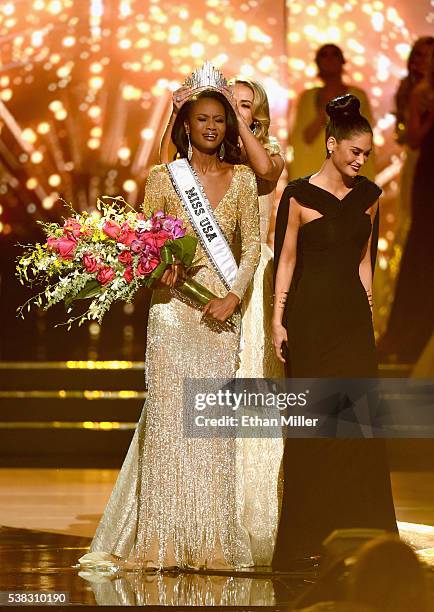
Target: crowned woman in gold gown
(175, 503)
(258, 459)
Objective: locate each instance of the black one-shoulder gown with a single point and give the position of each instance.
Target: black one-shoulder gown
(330, 483)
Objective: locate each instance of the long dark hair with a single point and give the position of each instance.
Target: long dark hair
(345, 119)
(420, 42)
(230, 141)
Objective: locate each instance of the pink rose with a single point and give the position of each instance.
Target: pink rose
(137, 246)
(111, 229)
(72, 228)
(105, 275)
(146, 240)
(90, 263)
(147, 264)
(125, 258)
(129, 274)
(66, 247)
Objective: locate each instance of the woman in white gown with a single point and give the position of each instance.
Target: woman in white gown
(259, 459)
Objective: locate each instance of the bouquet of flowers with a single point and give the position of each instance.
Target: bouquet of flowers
(106, 258)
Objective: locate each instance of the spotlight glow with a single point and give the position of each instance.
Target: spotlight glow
(54, 180)
(36, 157)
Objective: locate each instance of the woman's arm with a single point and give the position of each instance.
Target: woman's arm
(306, 120)
(154, 198)
(167, 148)
(266, 166)
(365, 266)
(285, 272)
(315, 127)
(248, 219)
(310, 99)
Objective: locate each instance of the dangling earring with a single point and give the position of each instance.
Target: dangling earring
(255, 127)
(222, 151)
(190, 148)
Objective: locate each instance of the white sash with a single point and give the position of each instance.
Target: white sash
(202, 218)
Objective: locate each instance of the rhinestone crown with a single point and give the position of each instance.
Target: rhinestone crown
(206, 76)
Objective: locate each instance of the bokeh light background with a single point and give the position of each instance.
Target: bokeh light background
(85, 90)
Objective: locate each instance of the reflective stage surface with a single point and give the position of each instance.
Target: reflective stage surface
(48, 517)
(40, 561)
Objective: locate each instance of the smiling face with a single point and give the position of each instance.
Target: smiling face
(244, 98)
(206, 124)
(349, 155)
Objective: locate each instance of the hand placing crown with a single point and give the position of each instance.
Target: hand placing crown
(206, 77)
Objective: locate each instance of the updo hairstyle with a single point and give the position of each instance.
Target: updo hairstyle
(345, 119)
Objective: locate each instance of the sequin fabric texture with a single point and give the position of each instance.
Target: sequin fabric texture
(259, 459)
(174, 503)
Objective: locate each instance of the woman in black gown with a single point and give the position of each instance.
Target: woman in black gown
(326, 234)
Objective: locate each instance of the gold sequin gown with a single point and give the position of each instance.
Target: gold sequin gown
(175, 502)
(259, 459)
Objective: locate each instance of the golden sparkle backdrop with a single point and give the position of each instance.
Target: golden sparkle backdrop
(85, 87)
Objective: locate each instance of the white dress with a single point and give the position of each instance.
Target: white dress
(259, 459)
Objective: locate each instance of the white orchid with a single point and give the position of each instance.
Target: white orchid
(143, 225)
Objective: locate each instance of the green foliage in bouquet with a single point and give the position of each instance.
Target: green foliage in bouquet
(106, 257)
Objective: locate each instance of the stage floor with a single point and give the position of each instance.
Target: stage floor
(48, 516)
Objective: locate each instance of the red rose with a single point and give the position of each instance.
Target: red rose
(125, 258)
(111, 229)
(161, 237)
(90, 263)
(129, 274)
(72, 228)
(126, 236)
(66, 247)
(52, 244)
(105, 275)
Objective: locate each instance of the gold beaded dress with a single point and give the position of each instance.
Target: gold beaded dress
(175, 502)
